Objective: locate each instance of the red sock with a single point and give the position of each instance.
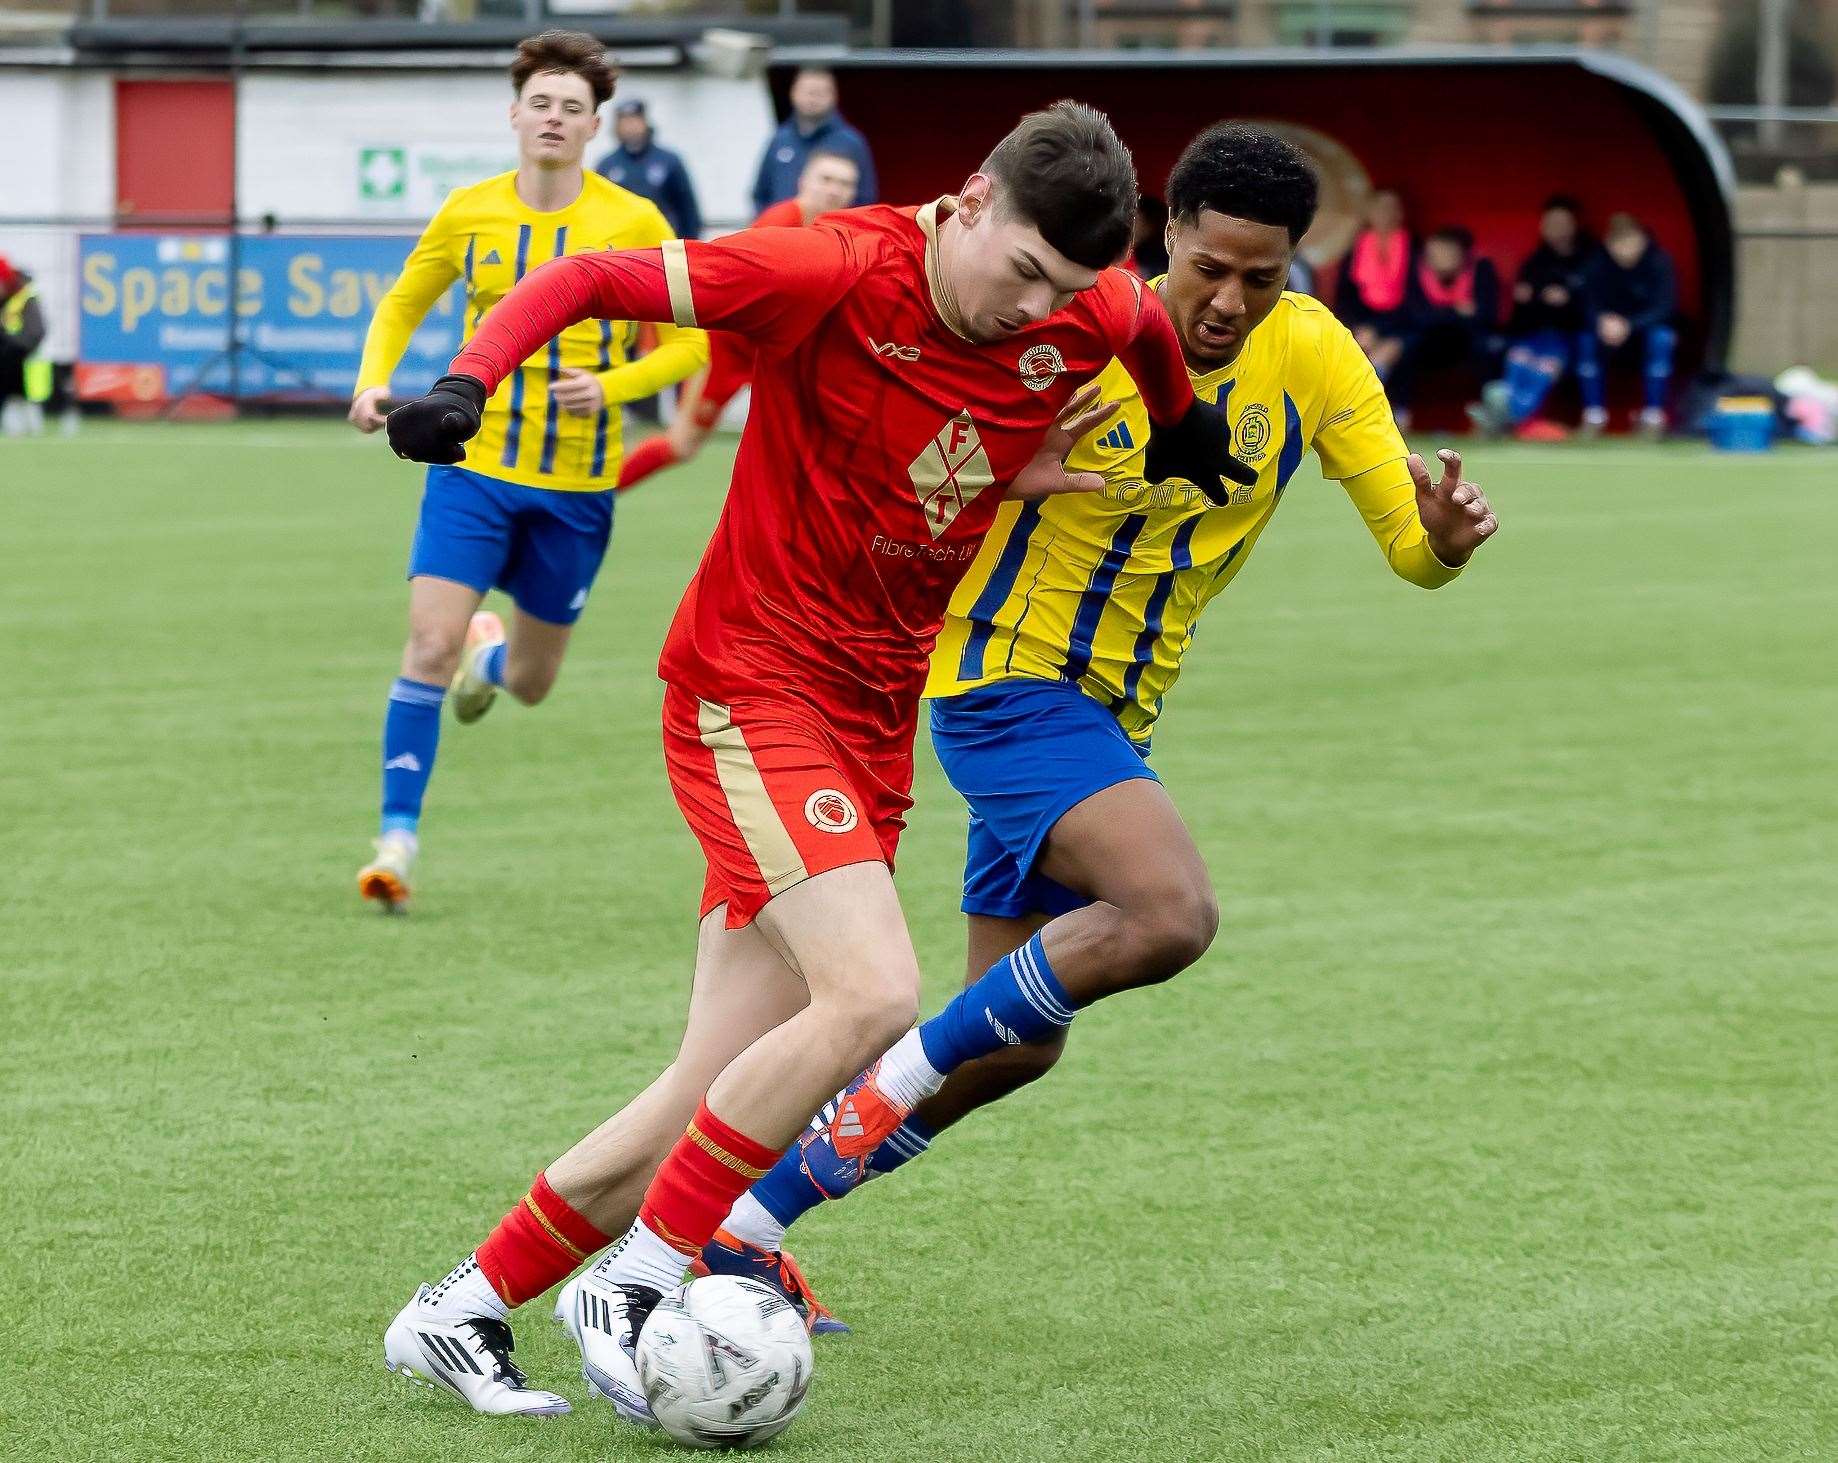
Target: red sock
(711, 1166)
(536, 1244)
(645, 459)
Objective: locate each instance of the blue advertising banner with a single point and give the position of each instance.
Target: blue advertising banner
(155, 315)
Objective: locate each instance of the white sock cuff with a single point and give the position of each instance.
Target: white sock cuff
(466, 1294)
(751, 1221)
(640, 1257)
(906, 1077)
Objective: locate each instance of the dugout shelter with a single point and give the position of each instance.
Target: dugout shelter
(1472, 137)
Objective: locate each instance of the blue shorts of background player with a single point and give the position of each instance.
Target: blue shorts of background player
(543, 548)
(1023, 753)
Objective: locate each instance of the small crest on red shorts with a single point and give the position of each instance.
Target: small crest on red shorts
(830, 811)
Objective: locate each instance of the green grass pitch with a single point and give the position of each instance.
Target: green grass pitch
(1498, 1124)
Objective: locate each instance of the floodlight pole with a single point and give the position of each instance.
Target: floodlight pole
(234, 344)
(1771, 69)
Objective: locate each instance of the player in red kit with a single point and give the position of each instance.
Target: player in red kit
(828, 182)
(912, 365)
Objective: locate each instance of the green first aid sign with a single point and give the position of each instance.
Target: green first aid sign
(382, 174)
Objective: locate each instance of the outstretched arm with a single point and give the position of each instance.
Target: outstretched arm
(765, 283)
(1427, 529)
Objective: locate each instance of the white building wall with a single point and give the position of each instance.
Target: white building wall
(304, 139)
(301, 140)
(68, 172)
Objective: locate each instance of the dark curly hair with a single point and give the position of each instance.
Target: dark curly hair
(1065, 171)
(567, 52)
(1247, 173)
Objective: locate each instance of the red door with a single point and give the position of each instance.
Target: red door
(175, 151)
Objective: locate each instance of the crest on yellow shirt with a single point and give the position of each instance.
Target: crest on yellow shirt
(950, 472)
(1253, 432)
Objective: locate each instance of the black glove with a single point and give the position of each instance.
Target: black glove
(431, 428)
(1197, 448)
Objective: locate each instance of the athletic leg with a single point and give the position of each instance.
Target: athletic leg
(532, 657)
(810, 1174)
(462, 538)
(844, 931)
(741, 988)
(438, 612)
(1133, 901)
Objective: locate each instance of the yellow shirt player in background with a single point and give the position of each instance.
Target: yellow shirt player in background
(531, 510)
(1061, 642)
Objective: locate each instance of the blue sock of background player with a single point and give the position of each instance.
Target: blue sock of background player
(411, 736)
(491, 664)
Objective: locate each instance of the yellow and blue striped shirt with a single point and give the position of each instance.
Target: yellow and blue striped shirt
(486, 235)
(1105, 589)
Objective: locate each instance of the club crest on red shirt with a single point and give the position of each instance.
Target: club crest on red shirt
(1039, 365)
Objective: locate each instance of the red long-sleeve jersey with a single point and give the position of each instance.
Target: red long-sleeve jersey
(874, 454)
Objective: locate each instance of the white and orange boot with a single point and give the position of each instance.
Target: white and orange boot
(385, 878)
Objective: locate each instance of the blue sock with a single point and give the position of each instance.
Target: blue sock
(491, 664)
(1589, 372)
(1529, 384)
(789, 1191)
(903, 1145)
(1662, 340)
(411, 733)
(1018, 1000)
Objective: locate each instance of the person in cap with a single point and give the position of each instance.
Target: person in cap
(640, 166)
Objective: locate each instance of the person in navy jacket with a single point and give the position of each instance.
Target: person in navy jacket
(814, 124)
(1634, 294)
(640, 166)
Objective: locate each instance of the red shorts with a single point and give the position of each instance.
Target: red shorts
(774, 797)
(730, 367)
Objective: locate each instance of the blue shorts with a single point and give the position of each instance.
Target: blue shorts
(1023, 753)
(540, 546)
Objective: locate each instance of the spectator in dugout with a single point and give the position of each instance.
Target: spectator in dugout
(640, 166)
(1552, 328)
(814, 125)
(1634, 297)
(1452, 314)
(1373, 297)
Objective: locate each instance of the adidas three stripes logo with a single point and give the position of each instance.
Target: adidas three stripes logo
(1118, 436)
(595, 1313)
(448, 1353)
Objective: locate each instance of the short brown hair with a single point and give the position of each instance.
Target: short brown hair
(572, 52)
(1624, 226)
(1065, 171)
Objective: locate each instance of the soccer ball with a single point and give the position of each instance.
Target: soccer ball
(724, 1362)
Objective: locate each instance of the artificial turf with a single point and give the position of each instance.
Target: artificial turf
(1498, 1124)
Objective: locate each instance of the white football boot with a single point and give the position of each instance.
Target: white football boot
(470, 1358)
(604, 1319)
(385, 879)
(470, 695)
